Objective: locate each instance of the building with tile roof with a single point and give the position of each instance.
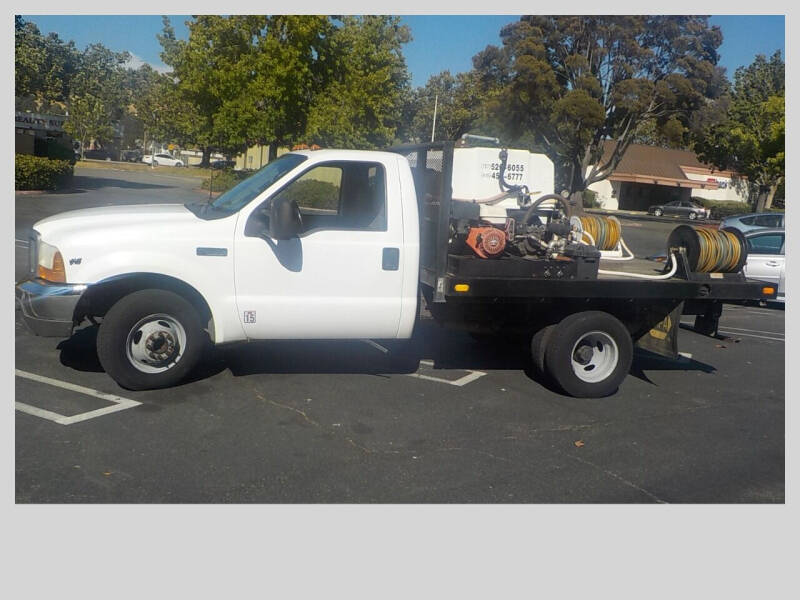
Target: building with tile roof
(649, 175)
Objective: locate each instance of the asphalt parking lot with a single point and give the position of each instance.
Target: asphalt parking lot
(301, 422)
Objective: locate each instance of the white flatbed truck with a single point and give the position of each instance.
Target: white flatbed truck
(341, 244)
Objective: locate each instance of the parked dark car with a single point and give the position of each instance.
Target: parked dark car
(131, 155)
(222, 164)
(98, 154)
(680, 208)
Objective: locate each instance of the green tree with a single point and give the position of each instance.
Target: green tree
(97, 95)
(247, 79)
(455, 100)
(571, 83)
(43, 68)
(745, 130)
(363, 86)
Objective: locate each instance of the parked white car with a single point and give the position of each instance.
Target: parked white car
(766, 258)
(162, 159)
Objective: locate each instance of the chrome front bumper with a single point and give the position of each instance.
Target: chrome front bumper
(48, 308)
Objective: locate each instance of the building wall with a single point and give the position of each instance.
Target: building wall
(727, 191)
(255, 157)
(607, 193)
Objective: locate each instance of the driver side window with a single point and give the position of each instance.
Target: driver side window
(317, 193)
(343, 195)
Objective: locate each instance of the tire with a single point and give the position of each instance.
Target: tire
(539, 344)
(589, 354)
(137, 327)
(108, 159)
(658, 212)
(692, 216)
(155, 163)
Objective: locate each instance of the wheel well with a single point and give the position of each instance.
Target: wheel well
(100, 297)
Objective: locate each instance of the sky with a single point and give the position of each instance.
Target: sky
(439, 41)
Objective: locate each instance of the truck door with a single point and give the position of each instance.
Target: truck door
(342, 277)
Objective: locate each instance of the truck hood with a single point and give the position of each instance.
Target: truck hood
(111, 216)
(105, 218)
(101, 242)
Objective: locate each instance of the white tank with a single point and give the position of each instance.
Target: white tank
(476, 177)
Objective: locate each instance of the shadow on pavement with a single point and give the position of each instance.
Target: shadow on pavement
(82, 183)
(644, 360)
(445, 349)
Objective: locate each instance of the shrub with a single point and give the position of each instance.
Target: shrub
(222, 181)
(721, 209)
(39, 173)
(590, 199)
(59, 152)
(315, 194)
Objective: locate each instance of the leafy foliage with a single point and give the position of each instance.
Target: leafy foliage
(361, 101)
(570, 83)
(39, 173)
(314, 193)
(96, 94)
(222, 181)
(722, 208)
(745, 131)
(43, 67)
(455, 100)
(246, 78)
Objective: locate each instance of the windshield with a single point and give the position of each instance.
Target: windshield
(236, 197)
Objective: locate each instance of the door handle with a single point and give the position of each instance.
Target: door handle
(773, 263)
(391, 259)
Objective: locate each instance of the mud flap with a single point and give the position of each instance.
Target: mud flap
(662, 338)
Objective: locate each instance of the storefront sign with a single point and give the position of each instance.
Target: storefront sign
(26, 120)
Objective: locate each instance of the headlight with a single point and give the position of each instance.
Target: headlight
(51, 263)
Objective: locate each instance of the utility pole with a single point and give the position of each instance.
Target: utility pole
(435, 106)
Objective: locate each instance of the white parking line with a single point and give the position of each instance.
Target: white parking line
(753, 330)
(462, 381)
(763, 337)
(750, 311)
(119, 403)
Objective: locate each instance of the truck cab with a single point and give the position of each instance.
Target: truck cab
(316, 245)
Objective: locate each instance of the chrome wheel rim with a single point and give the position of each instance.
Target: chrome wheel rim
(594, 357)
(155, 343)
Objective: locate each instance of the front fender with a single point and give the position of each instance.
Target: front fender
(210, 276)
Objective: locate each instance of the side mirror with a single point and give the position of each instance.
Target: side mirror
(284, 219)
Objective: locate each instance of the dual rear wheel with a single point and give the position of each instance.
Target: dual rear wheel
(587, 354)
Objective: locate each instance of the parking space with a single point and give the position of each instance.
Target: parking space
(336, 422)
(342, 422)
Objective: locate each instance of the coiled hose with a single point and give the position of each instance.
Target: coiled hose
(710, 250)
(605, 233)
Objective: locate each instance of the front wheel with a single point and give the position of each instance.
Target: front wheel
(155, 163)
(589, 354)
(692, 216)
(150, 339)
(658, 212)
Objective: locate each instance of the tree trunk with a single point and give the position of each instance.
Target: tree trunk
(273, 151)
(772, 189)
(763, 192)
(576, 203)
(206, 161)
